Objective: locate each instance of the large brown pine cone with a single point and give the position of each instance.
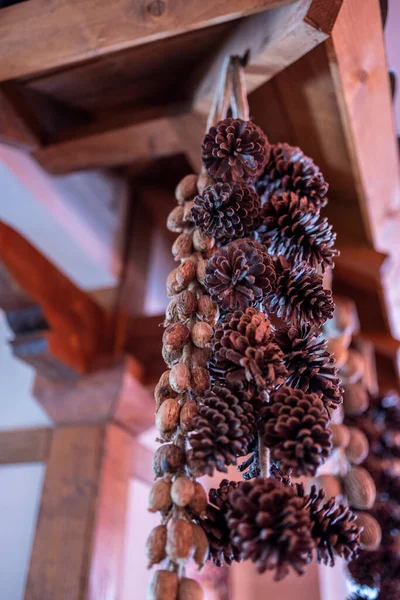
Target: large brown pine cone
(289, 169)
(235, 150)
(333, 527)
(224, 429)
(389, 590)
(296, 431)
(270, 526)
(299, 297)
(227, 211)
(291, 230)
(374, 568)
(310, 365)
(239, 275)
(387, 514)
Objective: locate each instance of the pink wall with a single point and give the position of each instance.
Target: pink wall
(393, 50)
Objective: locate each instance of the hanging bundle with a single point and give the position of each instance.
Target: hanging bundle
(240, 383)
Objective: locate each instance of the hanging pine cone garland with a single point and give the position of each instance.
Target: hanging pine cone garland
(296, 431)
(227, 211)
(270, 526)
(334, 528)
(235, 150)
(299, 297)
(239, 275)
(289, 229)
(310, 365)
(289, 169)
(224, 429)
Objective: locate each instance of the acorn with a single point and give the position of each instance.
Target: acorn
(340, 435)
(179, 540)
(201, 546)
(196, 466)
(176, 336)
(202, 334)
(359, 488)
(339, 352)
(167, 416)
(179, 378)
(207, 310)
(186, 188)
(185, 273)
(155, 545)
(160, 495)
(330, 484)
(200, 379)
(371, 535)
(355, 399)
(173, 285)
(182, 247)
(171, 314)
(187, 213)
(199, 502)
(201, 270)
(358, 447)
(201, 356)
(353, 369)
(163, 390)
(169, 458)
(186, 304)
(171, 357)
(189, 589)
(187, 414)
(182, 491)
(175, 219)
(201, 241)
(163, 586)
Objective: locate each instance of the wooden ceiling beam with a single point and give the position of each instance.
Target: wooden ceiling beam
(87, 30)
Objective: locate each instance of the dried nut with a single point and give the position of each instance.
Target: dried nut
(200, 545)
(176, 336)
(173, 285)
(353, 368)
(359, 488)
(188, 413)
(179, 540)
(198, 503)
(203, 181)
(175, 219)
(355, 399)
(182, 247)
(163, 586)
(167, 416)
(163, 389)
(160, 495)
(190, 589)
(186, 188)
(155, 545)
(340, 435)
(186, 304)
(196, 466)
(201, 270)
(207, 310)
(372, 533)
(201, 356)
(171, 357)
(330, 484)
(340, 352)
(358, 446)
(171, 314)
(202, 334)
(186, 272)
(179, 378)
(200, 380)
(182, 491)
(168, 458)
(187, 212)
(201, 241)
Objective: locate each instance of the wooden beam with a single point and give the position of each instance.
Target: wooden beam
(24, 445)
(14, 128)
(91, 29)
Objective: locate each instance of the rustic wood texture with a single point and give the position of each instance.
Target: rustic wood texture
(14, 129)
(91, 29)
(78, 328)
(24, 445)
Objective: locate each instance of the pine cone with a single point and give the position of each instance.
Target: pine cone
(224, 429)
(299, 297)
(243, 353)
(289, 229)
(390, 590)
(310, 366)
(388, 516)
(375, 568)
(270, 526)
(235, 150)
(296, 431)
(333, 527)
(239, 275)
(227, 211)
(216, 527)
(289, 169)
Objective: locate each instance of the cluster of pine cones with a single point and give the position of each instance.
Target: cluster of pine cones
(249, 368)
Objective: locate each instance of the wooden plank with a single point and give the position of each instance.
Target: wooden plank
(24, 445)
(135, 406)
(14, 128)
(90, 29)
